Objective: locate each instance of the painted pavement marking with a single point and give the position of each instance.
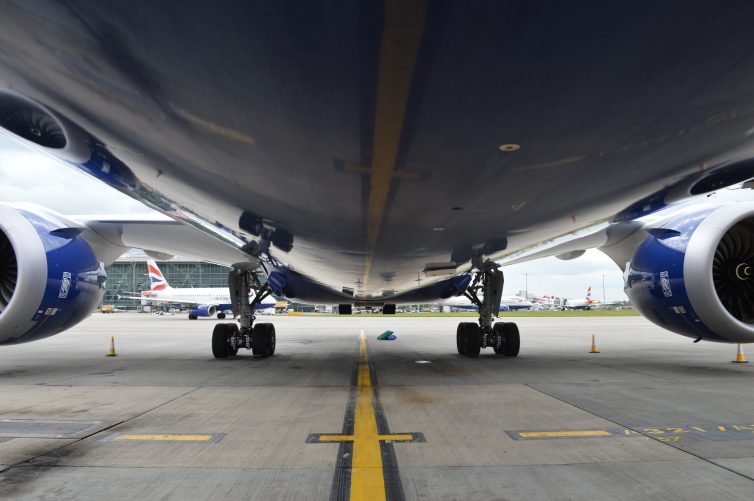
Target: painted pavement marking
(165, 437)
(715, 432)
(370, 444)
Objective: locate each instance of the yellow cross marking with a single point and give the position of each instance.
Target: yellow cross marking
(367, 481)
(367, 471)
(351, 438)
(172, 438)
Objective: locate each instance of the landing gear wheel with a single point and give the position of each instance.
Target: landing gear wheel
(221, 335)
(474, 340)
(498, 332)
(469, 337)
(273, 340)
(221, 316)
(192, 317)
(460, 333)
(263, 340)
(511, 341)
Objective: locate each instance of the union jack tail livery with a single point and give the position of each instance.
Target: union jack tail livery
(157, 281)
(589, 295)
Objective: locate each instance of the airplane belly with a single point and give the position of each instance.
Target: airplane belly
(383, 137)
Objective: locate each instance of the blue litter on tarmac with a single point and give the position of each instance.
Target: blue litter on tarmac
(387, 336)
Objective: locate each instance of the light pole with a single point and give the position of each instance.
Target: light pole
(603, 289)
(526, 284)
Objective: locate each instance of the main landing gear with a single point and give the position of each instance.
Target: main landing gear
(502, 337)
(228, 338)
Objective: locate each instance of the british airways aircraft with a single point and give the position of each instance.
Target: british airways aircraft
(507, 303)
(378, 153)
(582, 304)
(204, 301)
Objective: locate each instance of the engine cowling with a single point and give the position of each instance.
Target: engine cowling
(205, 310)
(694, 275)
(50, 278)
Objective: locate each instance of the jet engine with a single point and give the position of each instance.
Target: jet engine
(50, 278)
(694, 274)
(205, 310)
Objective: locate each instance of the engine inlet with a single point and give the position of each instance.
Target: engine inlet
(29, 120)
(8, 271)
(733, 270)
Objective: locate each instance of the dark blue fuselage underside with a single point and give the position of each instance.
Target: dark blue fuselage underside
(275, 110)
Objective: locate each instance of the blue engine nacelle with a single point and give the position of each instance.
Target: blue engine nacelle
(694, 275)
(50, 278)
(205, 310)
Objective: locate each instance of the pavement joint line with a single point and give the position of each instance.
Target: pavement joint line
(307, 468)
(373, 469)
(125, 365)
(651, 437)
(28, 462)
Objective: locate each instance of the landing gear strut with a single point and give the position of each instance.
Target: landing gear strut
(503, 337)
(227, 338)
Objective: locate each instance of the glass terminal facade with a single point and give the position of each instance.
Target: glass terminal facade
(128, 277)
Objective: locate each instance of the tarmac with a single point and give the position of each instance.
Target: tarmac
(332, 417)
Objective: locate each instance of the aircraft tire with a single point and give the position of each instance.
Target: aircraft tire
(192, 317)
(511, 340)
(263, 340)
(471, 339)
(462, 336)
(273, 339)
(220, 345)
(221, 315)
(460, 333)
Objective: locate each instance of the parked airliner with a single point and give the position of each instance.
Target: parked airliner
(384, 153)
(205, 301)
(507, 303)
(581, 304)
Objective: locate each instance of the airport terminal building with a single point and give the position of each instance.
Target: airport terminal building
(128, 276)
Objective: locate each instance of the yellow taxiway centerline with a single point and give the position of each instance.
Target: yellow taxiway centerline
(367, 481)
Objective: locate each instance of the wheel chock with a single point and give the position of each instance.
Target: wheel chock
(740, 358)
(111, 351)
(594, 345)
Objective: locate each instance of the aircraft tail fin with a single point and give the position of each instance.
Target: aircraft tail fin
(157, 281)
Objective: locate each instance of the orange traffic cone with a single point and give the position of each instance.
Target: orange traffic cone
(740, 358)
(111, 351)
(594, 345)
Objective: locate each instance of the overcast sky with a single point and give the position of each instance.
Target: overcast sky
(29, 176)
